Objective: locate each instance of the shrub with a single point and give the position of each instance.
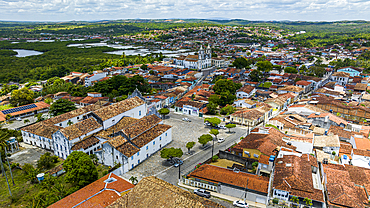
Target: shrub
(214, 158)
(275, 201)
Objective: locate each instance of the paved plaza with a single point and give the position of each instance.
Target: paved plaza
(182, 133)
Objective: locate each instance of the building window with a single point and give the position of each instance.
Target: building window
(160, 138)
(147, 147)
(60, 124)
(166, 134)
(117, 157)
(153, 142)
(78, 117)
(132, 157)
(113, 121)
(139, 113)
(132, 166)
(138, 153)
(138, 161)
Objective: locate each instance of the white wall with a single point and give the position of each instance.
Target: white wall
(137, 112)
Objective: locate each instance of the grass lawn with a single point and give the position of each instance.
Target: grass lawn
(24, 192)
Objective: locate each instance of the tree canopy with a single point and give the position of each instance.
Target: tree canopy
(204, 139)
(21, 97)
(241, 62)
(61, 106)
(169, 153)
(80, 170)
(213, 121)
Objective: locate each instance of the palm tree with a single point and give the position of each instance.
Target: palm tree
(295, 199)
(308, 201)
(26, 121)
(133, 180)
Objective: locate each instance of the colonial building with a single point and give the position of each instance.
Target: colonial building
(116, 133)
(201, 61)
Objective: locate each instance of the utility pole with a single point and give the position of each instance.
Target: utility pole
(179, 172)
(213, 140)
(10, 169)
(246, 192)
(2, 169)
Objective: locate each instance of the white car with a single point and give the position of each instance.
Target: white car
(18, 119)
(221, 127)
(220, 140)
(186, 119)
(240, 203)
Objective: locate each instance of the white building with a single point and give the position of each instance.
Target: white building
(112, 132)
(201, 61)
(96, 76)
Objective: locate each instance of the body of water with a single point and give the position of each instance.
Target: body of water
(24, 53)
(130, 50)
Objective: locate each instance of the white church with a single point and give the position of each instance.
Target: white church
(201, 61)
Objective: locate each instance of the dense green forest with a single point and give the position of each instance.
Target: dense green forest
(106, 28)
(58, 60)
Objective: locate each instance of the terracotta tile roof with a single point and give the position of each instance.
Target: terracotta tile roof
(345, 149)
(216, 174)
(360, 87)
(361, 152)
(246, 88)
(97, 194)
(85, 143)
(158, 193)
(42, 129)
(341, 188)
(291, 89)
(265, 143)
(298, 175)
(337, 130)
(362, 143)
(118, 108)
(251, 114)
(123, 123)
(93, 100)
(81, 128)
(72, 114)
(331, 117)
(128, 149)
(117, 141)
(141, 126)
(303, 82)
(340, 74)
(326, 141)
(196, 104)
(150, 134)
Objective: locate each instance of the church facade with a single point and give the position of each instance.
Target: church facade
(201, 61)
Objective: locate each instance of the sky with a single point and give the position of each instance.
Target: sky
(91, 10)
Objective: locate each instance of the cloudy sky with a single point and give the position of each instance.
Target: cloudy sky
(66, 10)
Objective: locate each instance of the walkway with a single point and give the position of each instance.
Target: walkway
(229, 198)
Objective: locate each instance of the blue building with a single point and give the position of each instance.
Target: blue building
(353, 71)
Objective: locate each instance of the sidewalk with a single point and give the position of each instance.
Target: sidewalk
(222, 196)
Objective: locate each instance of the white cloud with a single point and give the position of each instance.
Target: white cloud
(54, 10)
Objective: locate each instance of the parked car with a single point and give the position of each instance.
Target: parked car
(202, 193)
(240, 203)
(18, 119)
(221, 127)
(220, 140)
(178, 162)
(207, 124)
(186, 119)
